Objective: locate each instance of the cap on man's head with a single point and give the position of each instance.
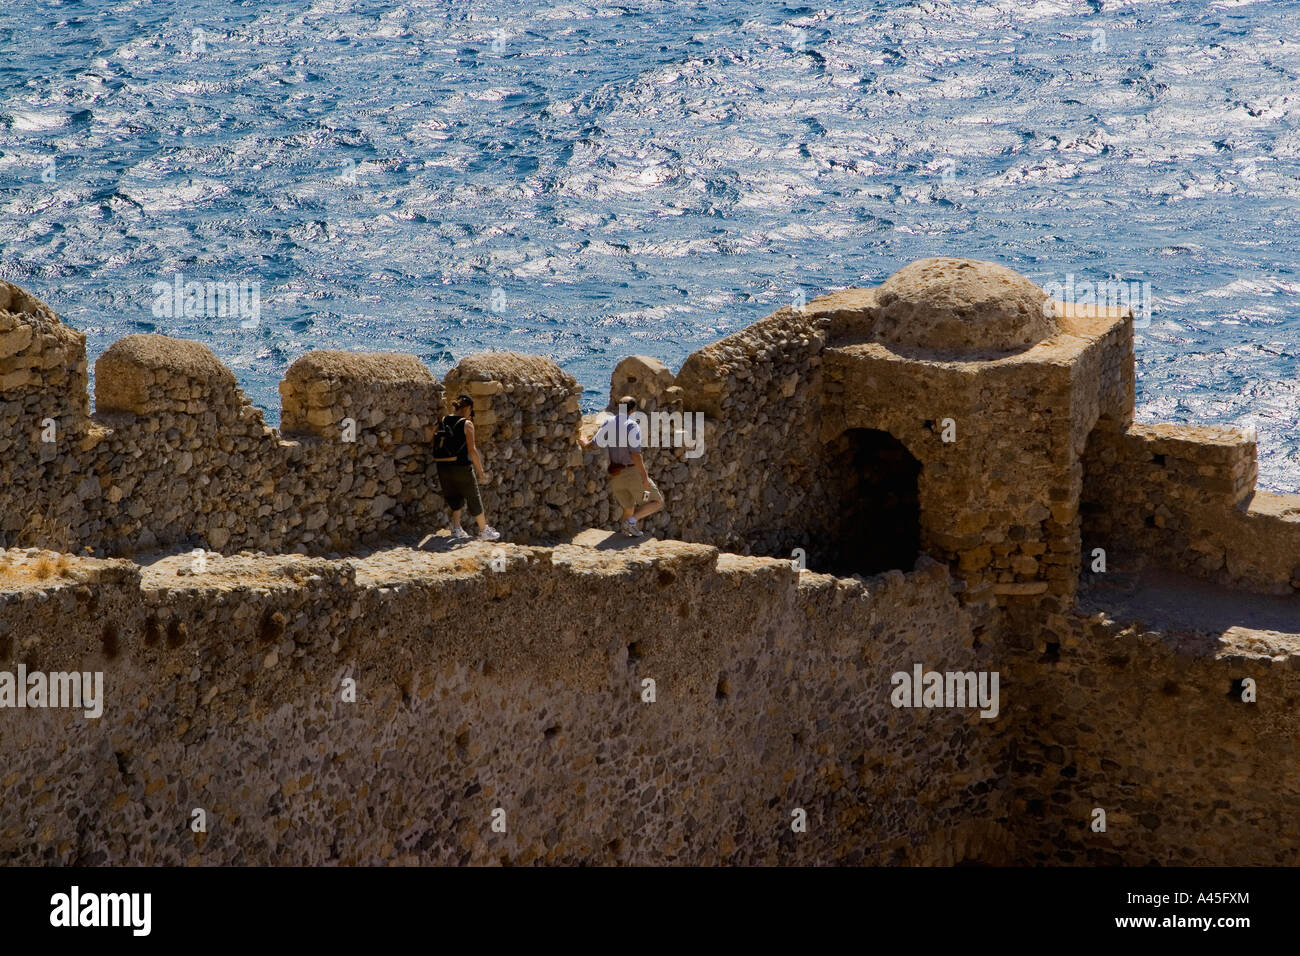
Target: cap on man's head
(628, 402)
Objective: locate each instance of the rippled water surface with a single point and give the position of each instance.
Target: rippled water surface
(646, 177)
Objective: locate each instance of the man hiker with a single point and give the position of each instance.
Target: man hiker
(456, 456)
(633, 490)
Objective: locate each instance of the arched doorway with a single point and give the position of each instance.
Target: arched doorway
(878, 526)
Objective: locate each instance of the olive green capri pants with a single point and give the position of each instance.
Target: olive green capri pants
(460, 487)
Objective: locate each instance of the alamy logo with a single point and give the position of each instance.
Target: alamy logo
(216, 300)
(923, 688)
(658, 430)
(1134, 295)
(102, 909)
(80, 691)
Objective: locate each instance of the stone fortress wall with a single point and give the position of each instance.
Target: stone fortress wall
(519, 689)
(950, 397)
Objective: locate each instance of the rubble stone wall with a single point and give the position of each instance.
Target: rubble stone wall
(521, 686)
(1184, 497)
(521, 689)
(1151, 728)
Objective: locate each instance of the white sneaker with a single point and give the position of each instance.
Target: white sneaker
(630, 529)
(458, 533)
(489, 534)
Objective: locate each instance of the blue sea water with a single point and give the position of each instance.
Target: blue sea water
(644, 177)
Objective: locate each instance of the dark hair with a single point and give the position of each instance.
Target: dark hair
(629, 402)
(462, 401)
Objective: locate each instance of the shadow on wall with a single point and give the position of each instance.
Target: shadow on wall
(876, 501)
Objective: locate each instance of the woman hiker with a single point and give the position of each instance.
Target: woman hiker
(457, 458)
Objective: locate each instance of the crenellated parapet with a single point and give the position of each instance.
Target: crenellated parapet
(649, 381)
(154, 376)
(1183, 497)
(37, 350)
(954, 411)
(176, 455)
(388, 396)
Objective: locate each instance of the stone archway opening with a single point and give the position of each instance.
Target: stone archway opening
(875, 491)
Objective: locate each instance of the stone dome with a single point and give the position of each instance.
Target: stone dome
(961, 306)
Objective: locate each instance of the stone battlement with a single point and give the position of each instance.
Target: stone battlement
(998, 414)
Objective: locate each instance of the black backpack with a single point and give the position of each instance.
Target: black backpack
(449, 441)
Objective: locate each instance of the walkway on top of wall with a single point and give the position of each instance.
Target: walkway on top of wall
(1191, 610)
(407, 559)
(399, 562)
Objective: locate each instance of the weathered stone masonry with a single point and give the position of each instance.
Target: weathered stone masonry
(224, 694)
(826, 430)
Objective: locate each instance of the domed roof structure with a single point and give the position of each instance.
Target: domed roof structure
(961, 306)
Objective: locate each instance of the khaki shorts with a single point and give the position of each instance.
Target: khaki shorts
(627, 489)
